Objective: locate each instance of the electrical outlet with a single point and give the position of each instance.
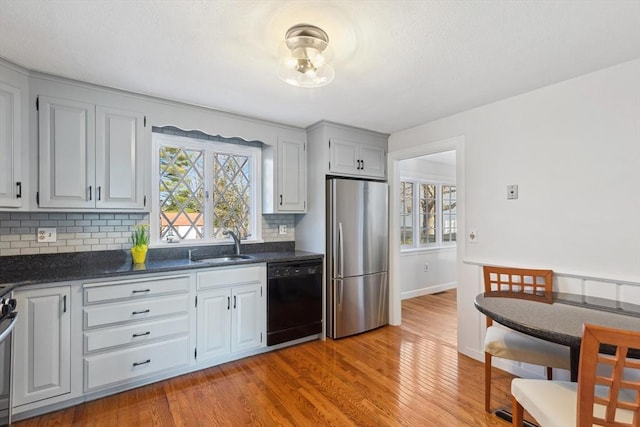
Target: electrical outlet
(426, 266)
(47, 235)
(282, 229)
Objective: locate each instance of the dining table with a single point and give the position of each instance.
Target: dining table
(561, 320)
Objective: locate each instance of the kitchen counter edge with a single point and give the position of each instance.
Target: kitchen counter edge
(13, 280)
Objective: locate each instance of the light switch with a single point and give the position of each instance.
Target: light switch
(512, 192)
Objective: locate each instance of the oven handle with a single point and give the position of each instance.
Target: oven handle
(9, 328)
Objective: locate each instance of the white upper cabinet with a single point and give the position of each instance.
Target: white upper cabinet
(10, 146)
(352, 158)
(285, 176)
(13, 138)
(67, 153)
(347, 151)
(373, 161)
(91, 156)
(119, 165)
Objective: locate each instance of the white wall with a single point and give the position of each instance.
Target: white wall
(442, 262)
(574, 150)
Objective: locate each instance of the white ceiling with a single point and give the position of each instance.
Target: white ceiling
(398, 63)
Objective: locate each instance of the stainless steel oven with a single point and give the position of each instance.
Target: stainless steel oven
(8, 317)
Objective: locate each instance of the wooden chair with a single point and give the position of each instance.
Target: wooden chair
(607, 392)
(508, 344)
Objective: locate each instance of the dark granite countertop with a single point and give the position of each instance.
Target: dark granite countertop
(33, 269)
(560, 322)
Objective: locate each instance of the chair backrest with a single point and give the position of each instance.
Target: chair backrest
(522, 283)
(622, 383)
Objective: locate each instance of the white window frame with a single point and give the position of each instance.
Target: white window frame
(439, 243)
(209, 147)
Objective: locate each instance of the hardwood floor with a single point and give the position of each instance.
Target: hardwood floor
(408, 375)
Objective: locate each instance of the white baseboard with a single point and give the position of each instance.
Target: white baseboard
(429, 290)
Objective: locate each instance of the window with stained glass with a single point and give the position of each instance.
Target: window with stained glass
(203, 189)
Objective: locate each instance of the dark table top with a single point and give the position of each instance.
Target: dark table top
(560, 322)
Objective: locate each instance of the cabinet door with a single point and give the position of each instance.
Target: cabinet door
(67, 157)
(343, 157)
(373, 161)
(214, 324)
(292, 184)
(10, 147)
(248, 321)
(120, 142)
(42, 345)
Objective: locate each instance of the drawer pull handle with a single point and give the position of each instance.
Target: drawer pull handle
(141, 334)
(137, 291)
(142, 363)
(141, 312)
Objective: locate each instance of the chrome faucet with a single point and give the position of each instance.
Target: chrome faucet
(236, 239)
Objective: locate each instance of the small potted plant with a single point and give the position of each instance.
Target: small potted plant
(140, 240)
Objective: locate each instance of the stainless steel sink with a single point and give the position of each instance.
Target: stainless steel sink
(223, 258)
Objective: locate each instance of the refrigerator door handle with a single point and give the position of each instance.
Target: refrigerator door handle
(340, 293)
(340, 252)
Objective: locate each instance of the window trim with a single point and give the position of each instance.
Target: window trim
(161, 139)
(439, 243)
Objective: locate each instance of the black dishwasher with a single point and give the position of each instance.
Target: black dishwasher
(294, 300)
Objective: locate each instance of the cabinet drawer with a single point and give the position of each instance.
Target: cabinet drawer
(129, 364)
(136, 310)
(230, 276)
(135, 334)
(101, 292)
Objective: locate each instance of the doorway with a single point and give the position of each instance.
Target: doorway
(428, 224)
(454, 147)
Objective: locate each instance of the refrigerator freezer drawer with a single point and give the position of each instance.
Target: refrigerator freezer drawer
(358, 304)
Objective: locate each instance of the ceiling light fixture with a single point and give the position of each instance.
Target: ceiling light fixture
(304, 58)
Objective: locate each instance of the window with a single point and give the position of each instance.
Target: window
(449, 221)
(435, 216)
(406, 213)
(202, 188)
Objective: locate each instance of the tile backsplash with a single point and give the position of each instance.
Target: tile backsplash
(83, 232)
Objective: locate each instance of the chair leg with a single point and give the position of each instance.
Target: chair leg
(517, 413)
(549, 373)
(487, 382)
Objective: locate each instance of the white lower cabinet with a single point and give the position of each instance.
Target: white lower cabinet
(42, 362)
(125, 333)
(231, 312)
(134, 329)
(247, 318)
(131, 363)
(214, 324)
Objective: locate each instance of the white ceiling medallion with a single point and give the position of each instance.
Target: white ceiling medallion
(305, 57)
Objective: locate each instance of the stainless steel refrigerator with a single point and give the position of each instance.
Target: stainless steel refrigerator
(357, 256)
